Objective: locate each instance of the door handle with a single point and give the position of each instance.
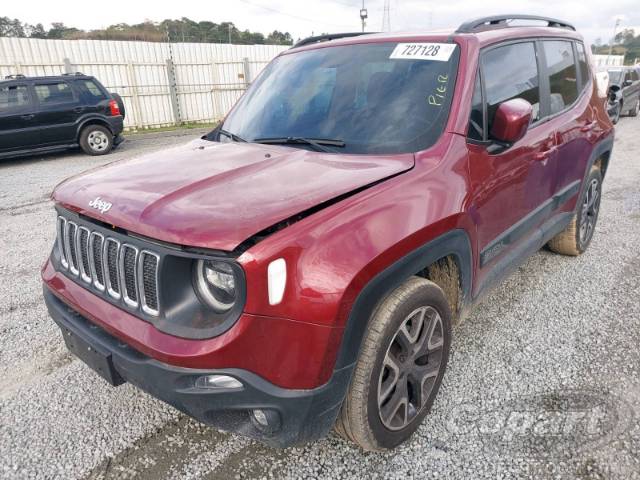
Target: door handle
(78, 109)
(588, 126)
(544, 154)
(27, 117)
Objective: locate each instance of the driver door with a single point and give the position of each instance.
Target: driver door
(509, 186)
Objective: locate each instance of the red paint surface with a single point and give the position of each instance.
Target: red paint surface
(215, 195)
(289, 353)
(218, 196)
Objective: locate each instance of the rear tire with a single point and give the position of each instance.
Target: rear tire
(400, 367)
(96, 140)
(575, 239)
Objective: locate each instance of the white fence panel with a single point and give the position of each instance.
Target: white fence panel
(608, 60)
(209, 77)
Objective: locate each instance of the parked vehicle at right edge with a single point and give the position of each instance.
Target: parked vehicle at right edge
(54, 113)
(624, 92)
(300, 267)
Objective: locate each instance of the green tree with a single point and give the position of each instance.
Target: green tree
(11, 27)
(179, 30)
(37, 31)
(279, 38)
(59, 30)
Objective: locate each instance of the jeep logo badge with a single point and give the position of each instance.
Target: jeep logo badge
(100, 204)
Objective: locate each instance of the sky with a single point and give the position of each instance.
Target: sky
(593, 18)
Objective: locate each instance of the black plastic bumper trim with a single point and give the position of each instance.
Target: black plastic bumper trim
(305, 415)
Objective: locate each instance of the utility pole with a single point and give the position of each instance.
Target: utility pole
(613, 39)
(363, 15)
(386, 17)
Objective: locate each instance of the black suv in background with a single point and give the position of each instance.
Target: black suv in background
(44, 114)
(624, 92)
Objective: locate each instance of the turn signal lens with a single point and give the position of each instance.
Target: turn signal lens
(277, 280)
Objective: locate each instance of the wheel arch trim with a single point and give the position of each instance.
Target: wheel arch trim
(603, 150)
(92, 121)
(454, 243)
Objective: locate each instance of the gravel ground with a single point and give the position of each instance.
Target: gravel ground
(543, 381)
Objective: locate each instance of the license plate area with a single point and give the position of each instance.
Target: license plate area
(99, 359)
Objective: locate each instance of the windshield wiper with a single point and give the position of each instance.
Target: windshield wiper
(316, 143)
(232, 136)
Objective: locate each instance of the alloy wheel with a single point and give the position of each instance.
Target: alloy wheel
(410, 368)
(590, 207)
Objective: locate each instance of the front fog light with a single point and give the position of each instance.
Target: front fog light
(218, 381)
(266, 420)
(216, 283)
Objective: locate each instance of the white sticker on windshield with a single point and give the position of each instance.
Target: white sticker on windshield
(440, 52)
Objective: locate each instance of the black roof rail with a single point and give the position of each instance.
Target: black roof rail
(12, 77)
(327, 37)
(497, 21)
(73, 74)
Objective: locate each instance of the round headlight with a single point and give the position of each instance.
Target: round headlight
(216, 283)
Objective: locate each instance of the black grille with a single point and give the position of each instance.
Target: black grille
(149, 284)
(120, 271)
(130, 273)
(71, 239)
(112, 265)
(97, 259)
(84, 250)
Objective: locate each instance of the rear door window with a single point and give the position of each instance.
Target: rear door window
(14, 97)
(53, 93)
(511, 71)
(563, 78)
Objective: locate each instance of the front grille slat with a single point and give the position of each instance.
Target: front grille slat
(70, 246)
(61, 227)
(127, 267)
(148, 281)
(123, 272)
(110, 261)
(83, 254)
(96, 245)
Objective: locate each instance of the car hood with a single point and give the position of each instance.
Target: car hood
(216, 195)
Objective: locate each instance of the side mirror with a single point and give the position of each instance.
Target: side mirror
(511, 120)
(627, 83)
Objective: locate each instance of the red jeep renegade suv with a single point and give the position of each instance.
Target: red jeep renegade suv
(300, 267)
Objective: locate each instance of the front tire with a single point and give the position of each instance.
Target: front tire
(400, 367)
(96, 140)
(576, 237)
(635, 110)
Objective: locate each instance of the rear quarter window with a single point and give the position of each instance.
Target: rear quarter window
(89, 91)
(583, 65)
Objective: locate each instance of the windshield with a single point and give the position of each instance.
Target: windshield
(615, 77)
(356, 94)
